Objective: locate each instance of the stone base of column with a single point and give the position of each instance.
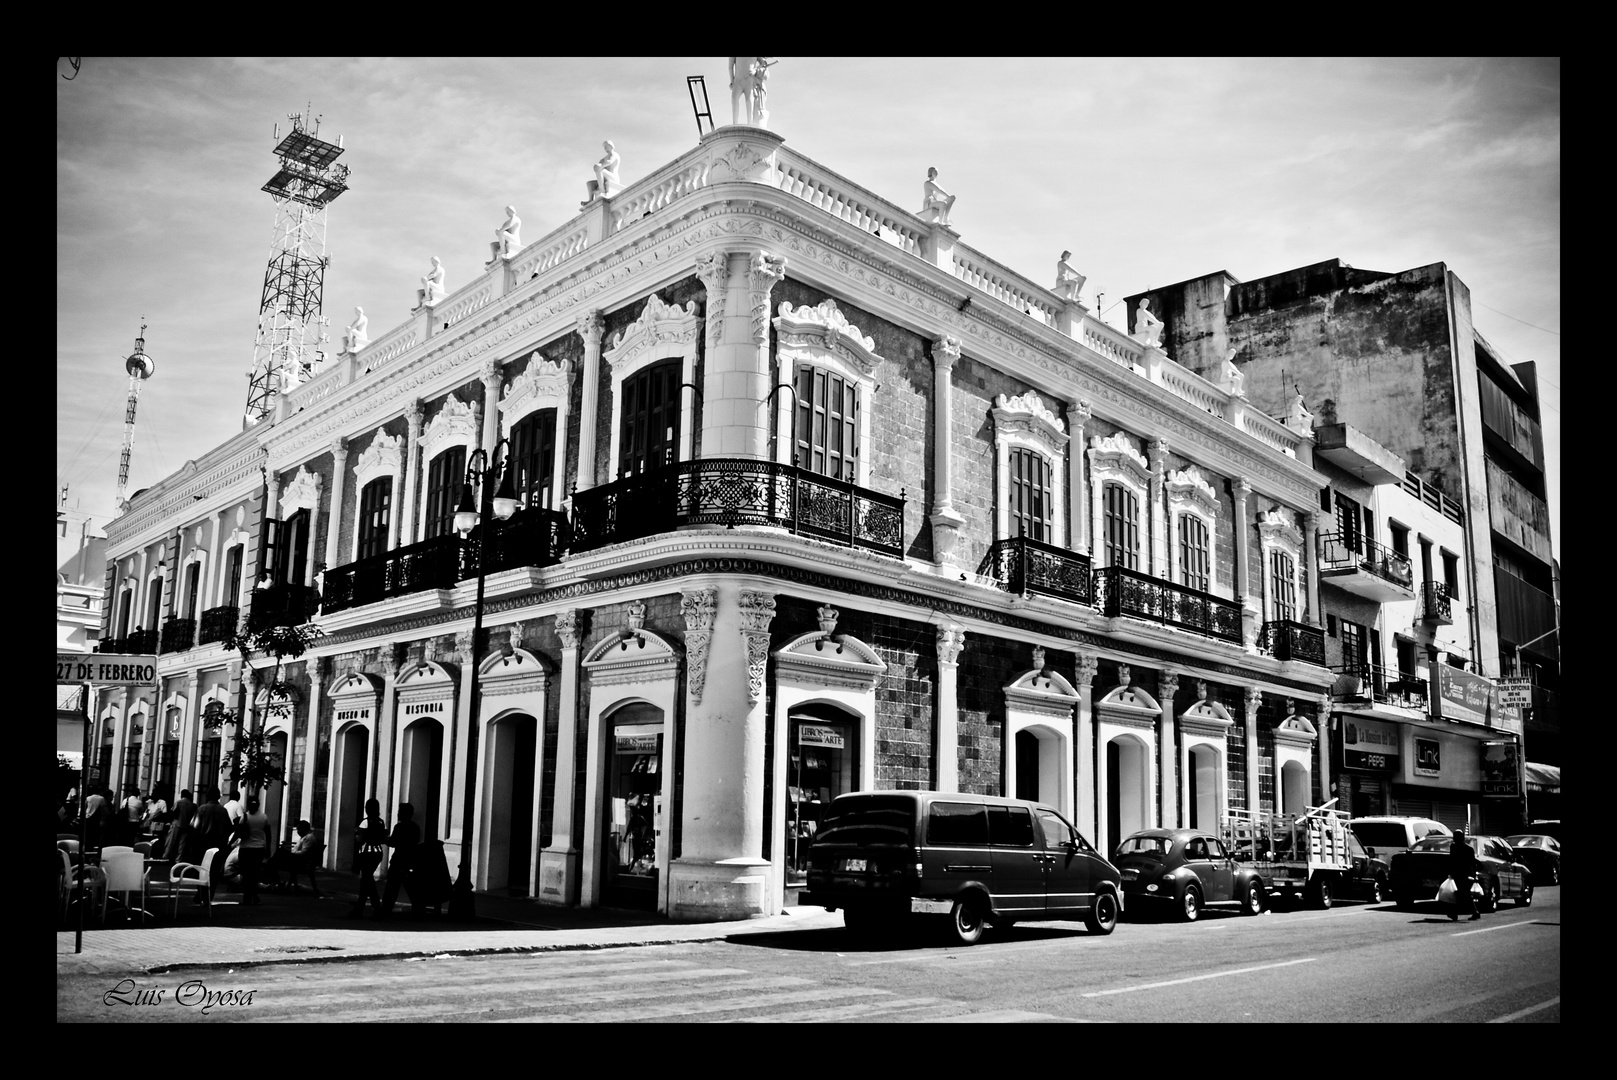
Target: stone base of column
(558, 877)
(701, 891)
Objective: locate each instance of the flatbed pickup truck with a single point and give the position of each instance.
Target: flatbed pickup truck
(1305, 855)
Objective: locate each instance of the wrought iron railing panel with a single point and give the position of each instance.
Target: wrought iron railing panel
(733, 492)
(178, 634)
(1435, 602)
(1024, 565)
(219, 623)
(1287, 640)
(430, 564)
(140, 641)
(284, 604)
(1345, 551)
(533, 537)
(1379, 684)
(1126, 592)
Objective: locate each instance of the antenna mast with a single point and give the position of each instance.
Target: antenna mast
(290, 325)
(140, 368)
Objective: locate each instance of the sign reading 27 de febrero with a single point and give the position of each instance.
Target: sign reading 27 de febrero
(106, 669)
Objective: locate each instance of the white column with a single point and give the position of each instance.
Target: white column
(590, 327)
(272, 512)
(721, 872)
(1161, 559)
(946, 521)
(950, 639)
(311, 745)
(736, 369)
(339, 471)
(1168, 685)
(558, 863)
(216, 569)
(490, 374)
(405, 517)
(1322, 745)
(1085, 804)
(1253, 698)
(1078, 414)
(1311, 565)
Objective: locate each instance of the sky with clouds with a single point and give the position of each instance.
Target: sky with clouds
(1151, 171)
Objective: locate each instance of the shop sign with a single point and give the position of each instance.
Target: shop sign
(1369, 745)
(637, 744)
(106, 669)
(1464, 696)
(1500, 771)
(1428, 757)
(1516, 692)
(817, 735)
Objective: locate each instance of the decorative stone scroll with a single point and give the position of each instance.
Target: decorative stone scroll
(383, 457)
(456, 423)
(698, 607)
(763, 270)
(543, 384)
(757, 612)
(825, 327)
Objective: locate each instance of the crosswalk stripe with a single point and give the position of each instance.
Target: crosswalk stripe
(845, 1012)
(687, 1011)
(1005, 1016)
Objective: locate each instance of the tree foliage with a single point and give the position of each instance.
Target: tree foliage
(255, 764)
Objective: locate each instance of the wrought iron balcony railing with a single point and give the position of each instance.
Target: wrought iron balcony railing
(1374, 683)
(219, 623)
(178, 634)
(533, 537)
(1025, 565)
(138, 642)
(1344, 551)
(738, 491)
(430, 564)
(1126, 592)
(1287, 640)
(1435, 602)
(283, 604)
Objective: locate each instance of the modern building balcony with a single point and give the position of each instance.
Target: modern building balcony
(533, 537)
(282, 604)
(1140, 596)
(430, 564)
(1353, 451)
(1287, 640)
(1434, 605)
(178, 635)
(733, 492)
(219, 623)
(1364, 568)
(1024, 565)
(1375, 685)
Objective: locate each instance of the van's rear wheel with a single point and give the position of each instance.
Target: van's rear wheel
(861, 922)
(1102, 916)
(966, 921)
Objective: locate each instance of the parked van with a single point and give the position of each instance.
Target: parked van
(882, 856)
(1384, 837)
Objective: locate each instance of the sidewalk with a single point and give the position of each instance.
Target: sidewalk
(289, 927)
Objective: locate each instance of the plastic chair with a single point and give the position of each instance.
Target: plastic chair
(126, 874)
(68, 845)
(116, 849)
(197, 876)
(145, 848)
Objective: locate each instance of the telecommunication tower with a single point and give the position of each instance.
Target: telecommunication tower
(290, 326)
(140, 368)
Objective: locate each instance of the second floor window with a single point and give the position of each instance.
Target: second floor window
(650, 419)
(444, 478)
(154, 604)
(232, 595)
(827, 418)
(1122, 536)
(1283, 586)
(292, 549)
(375, 506)
(1347, 522)
(1195, 564)
(1031, 496)
(533, 457)
(193, 575)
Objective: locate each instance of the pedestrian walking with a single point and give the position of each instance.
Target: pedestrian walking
(371, 842)
(253, 829)
(97, 817)
(404, 841)
(180, 829)
(1463, 871)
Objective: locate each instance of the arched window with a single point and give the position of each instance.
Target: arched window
(533, 459)
(649, 435)
(375, 508)
(444, 476)
(1122, 523)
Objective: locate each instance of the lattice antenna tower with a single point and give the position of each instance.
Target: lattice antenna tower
(290, 325)
(140, 368)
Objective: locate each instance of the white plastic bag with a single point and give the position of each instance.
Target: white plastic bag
(1447, 891)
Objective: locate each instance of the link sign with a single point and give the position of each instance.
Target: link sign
(106, 669)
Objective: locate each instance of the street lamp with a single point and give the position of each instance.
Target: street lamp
(467, 517)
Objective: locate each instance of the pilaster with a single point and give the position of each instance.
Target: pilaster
(1322, 746)
(1167, 687)
(1078, 414)
(1084, 743)
(558, 862)
(946, 521)
(406, 513)
(950, 639)
(591, 325)
(490, 374)
(1252, 699)
(339, 474)
(1311, 565)
(1161, 557)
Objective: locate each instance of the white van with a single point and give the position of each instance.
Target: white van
(1384, 837)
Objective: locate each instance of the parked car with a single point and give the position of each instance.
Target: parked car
(1387, 836)
(1370, 876)
(1417, 873)
(1184, 870)
(1551, 827)
(1540, 854)
(882, 857)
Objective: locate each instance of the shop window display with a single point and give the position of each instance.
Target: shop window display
(822, 766)
(633, 824)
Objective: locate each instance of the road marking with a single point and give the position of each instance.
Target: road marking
(1501, 926)
(1199, 978)
(1556, 1000)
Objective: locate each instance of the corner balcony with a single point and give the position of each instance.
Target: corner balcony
(219, 623)
(1364, 568)
(1024, 565)
(430, 564)
(1434, 607)
(738, 491)
(178, 635)
(1372, 684)
(282, 604)
(1140, 596)
(1287, 640)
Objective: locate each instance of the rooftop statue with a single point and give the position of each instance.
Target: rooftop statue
(606, 171)
(507, 238)
(1147, 327)
(354, 337)
(1068, 280)
(1298, 418)
(1234, 381)
(760, 90)
(935, 202)
(432, 286)
(741, 88)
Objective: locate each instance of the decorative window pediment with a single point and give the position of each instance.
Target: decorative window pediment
(1115, 457)
(1295, 730)
(1206, 718)
(1128, 705)
(1026, 419)
(1043, 693)
(383, 457)
(456, 423)
(633, 656)
(1275, 530)
(426, 681)
(303, 493)
(820, 659)
(356, 684)
(1029, 499)
(1188, 491)
(543, 384)
(662, 330)
(521, 672)
(825, 329)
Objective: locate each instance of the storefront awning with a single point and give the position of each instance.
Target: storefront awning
(1542, 777)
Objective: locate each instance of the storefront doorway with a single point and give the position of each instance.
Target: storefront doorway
(1202, 777)
(274, 796)
(1128, 788)
(423, 773)
(353, 744)
(513, 742)
(634, 820)
(823, 763)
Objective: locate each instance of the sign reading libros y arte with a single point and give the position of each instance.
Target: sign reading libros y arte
(106, 669)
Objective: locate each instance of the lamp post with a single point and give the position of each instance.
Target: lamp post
(467, 517)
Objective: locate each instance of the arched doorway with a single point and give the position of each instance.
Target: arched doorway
(822, 762)
(421, 783)
(1294, 785)
(1128, 787)
(1025, 784)
(509, 803)
(1202, 802)
(353, 745)
(632, 784)
(273, 799)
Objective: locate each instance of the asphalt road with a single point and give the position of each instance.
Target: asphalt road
(1355, 963)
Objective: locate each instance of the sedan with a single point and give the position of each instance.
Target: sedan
(1183, 870)
(1417, 873)
(1540, 854)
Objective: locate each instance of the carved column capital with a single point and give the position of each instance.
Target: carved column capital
(945, 351)
(1252, 697)
(1159, 455)
(1311, 522)
(490, 373)
(1240, 488)
(339, 450)
(591, 325)
(713, 269)
(698, 607)
(571, 626)
(412, 417)
(757, 612)
(1168, 686)
(1084, 672)
(1078, 414)
(951, 639)
(763, 270)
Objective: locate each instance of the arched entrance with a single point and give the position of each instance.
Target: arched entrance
(353, 752)
(509, 803)
(421, 780)
(1205, 779)
(1128, 787)
(1294, 784)
(822, 762)
(1026, 781)
(273, 799)
(632, 785)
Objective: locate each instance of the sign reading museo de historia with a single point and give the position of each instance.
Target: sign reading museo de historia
(1369, 745)
(106, 669)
